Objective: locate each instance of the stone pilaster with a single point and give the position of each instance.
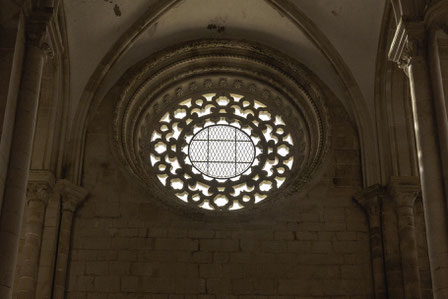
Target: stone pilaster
(72, 196)
(409, 50)
(404, 191)
(40, 185)
(21, 147)
(47, 261)
(370, 200)
(436, 22)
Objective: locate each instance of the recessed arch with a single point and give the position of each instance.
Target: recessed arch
(356, 103)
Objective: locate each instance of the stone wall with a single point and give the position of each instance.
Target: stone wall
(311, 244)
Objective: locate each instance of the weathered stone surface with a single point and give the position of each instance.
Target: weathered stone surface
(364, 122)
(314, 244)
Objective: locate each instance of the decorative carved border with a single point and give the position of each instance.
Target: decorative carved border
(278, 148)
(148, 90)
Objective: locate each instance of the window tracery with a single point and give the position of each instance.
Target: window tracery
(266, 112)
(221, 151)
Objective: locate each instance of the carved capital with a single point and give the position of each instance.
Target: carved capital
(37, 30)
(370, 200)
(40, 186)
(72, 195)
(38, 192)
(404, 191)
(48, 50)
(409, 43)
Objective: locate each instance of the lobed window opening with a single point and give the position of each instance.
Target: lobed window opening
(221, 152)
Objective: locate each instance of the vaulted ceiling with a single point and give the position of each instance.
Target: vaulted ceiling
(352, 28)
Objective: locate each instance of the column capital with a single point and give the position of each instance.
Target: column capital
(369, 199)
(37, 30)
(404, 190)
(72, 195)
(40, 186)
(409, 43)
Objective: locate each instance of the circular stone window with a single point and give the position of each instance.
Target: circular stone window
(221, 151)
(219, 126)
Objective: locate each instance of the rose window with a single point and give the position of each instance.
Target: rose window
(221, 151)
(220, 127)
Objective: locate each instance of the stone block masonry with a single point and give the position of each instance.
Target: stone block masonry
(173, 256)
(312, 244)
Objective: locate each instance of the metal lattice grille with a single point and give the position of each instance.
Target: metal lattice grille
(220, 161)
(221, 151)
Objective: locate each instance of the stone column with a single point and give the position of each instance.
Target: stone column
(439, 97)
(408, 49)
(50, 236)
(404, 191)
(391, 245)
(72, 197)
(39, 190)
(369, 199)
(19, 162)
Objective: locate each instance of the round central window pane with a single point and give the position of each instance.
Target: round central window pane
(221, 151)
